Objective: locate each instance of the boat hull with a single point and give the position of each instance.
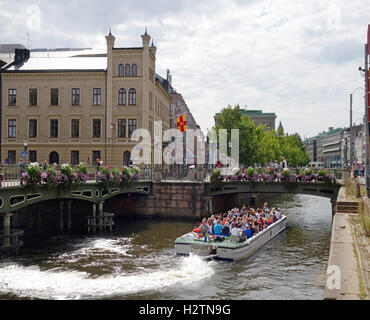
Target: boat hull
(229, 251)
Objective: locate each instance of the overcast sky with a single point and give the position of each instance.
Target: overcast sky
(298, 59)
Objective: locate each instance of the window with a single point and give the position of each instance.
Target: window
(150, 100)
(132, 97)
(75, 97)
(127, 71)
(11, 156)
(75, 157)
(33, 97)
(96, 128)
(171, 109)
(121, 128)
(131, 127)
(97, 96)
(12, 97)
(122, 97)
(75, 128)
(134, 70)
(54, 97)
(32, 156)
(32, 128)
(95, 157)
(121, 70)
(12, 128)
(53, 128)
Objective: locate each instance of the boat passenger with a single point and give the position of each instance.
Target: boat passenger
(236, 231)
(225, 229)
(248, 232)
(204, 227)
(278, 214)
(217, 229)
(254, 230)
(210, 226)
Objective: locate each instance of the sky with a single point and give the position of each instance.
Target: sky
(298, 59)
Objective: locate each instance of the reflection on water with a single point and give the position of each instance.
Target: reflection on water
(137, 261)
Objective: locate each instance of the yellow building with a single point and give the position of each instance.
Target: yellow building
(78, 106)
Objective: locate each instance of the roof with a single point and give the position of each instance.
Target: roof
(257, 113)
(61, 63)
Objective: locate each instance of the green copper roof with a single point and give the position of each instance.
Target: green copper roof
(256, 113)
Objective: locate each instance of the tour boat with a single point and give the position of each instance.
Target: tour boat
(229, 249)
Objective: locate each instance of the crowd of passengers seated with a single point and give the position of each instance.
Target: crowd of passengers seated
(242, 222)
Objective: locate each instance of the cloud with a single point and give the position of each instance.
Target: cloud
(297, 59)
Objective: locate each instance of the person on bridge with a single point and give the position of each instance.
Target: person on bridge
(355, 168)
(284, 163)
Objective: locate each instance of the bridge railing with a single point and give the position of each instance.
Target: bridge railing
(11, 174)
(336, 172)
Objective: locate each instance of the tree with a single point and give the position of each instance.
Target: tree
(257, 145)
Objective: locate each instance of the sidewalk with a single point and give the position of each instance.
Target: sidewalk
(346, 254)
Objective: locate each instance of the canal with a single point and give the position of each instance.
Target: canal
(137, 261)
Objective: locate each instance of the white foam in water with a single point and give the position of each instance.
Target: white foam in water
(111, 245)
(55, 284)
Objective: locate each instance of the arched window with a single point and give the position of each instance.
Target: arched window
(127, 73)
(134, 70)
(132, 97)
(122, 97)
(121, 70)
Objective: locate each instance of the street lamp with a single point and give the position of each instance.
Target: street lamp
(25, 143)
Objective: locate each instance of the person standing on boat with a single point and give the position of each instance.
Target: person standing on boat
(204, 229)
(210, 226)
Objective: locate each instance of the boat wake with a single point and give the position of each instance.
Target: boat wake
(66, 282)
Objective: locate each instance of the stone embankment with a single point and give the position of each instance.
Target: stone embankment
(348, 265)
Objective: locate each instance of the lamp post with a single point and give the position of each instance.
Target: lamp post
(351, 142)
(25, 143)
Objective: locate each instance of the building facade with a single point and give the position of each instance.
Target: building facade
(332, 148)
(259, 117)
(80, 106)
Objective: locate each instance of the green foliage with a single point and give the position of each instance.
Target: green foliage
(66, 169)
(215, 177)
(257, 145)
(104, 170)
(82, 168)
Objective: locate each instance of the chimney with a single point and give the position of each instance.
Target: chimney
(21, 55)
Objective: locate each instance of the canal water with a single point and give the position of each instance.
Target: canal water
(137, 261)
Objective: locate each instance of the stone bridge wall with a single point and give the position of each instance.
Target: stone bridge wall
(169, 199)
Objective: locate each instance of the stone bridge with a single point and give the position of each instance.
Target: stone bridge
(161, 198)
